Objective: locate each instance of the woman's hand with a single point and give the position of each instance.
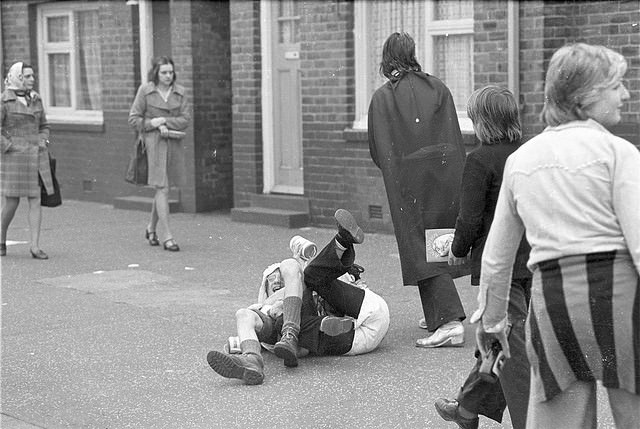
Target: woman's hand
(164, 131)
(157, 122)
(485, 339)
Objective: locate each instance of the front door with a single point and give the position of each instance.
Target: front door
(285, 169)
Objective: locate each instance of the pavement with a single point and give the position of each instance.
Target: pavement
(112, 333)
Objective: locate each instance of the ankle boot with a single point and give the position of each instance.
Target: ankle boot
(287, 348)
(248, 367)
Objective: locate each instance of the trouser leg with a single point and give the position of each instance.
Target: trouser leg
(573, 408)
(515, 374)
(321, 276)
(327, 266)
(490, 399)
(625, 408)
(343, 297)
(440, 301)
(481, 397)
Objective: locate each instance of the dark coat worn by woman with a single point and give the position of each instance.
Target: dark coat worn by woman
(415, 139)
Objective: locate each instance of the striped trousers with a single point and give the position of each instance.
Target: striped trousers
(584, 326)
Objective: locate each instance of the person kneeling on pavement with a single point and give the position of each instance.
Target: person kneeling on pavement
(308, 304)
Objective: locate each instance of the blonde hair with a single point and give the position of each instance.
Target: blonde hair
(495, 114)
(574, 79)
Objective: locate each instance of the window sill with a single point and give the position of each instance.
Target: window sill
(357, 134)
(76, 127)
(82, 123)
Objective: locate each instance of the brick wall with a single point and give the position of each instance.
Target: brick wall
(547, 26)
(180, 15)
(212, 94)
(330, 164)
(15, 34)
(616, 25)
(246, 116)
(490, 43)
(532, 70)
(92, 159)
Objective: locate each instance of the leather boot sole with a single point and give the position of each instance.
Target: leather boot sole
(334, 326)
(283, 352)
(347, 222)
(228, 367)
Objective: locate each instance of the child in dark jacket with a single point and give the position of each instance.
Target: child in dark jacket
(495, 116)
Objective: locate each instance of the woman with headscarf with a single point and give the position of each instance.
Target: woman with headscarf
(24, 137)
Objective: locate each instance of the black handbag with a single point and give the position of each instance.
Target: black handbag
(138, 169)
(55, 199)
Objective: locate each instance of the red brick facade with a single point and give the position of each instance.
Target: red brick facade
(92, 159)
(337, 168)
(217, 50)
(247, 122)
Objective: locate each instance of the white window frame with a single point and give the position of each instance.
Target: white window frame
(425, 55)
(62, 115)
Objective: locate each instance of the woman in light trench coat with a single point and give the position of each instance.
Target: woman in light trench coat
(24, 137)
(158, 111)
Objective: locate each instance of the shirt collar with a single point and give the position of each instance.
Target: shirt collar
(589, 123)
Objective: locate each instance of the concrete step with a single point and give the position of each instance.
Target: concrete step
(270, 216)
(284, 202)
(136, 202)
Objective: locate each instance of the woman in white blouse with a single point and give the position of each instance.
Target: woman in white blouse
(575, 188)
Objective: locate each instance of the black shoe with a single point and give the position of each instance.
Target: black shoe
(287, 348)
(448, 410)
(348, 230)
(3, 249)
(246, 366)
(334, 326)
(171, 245)
(39, 254)
(152, 237)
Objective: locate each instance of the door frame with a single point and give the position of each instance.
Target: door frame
(268, 157)
(145, 18)
(266, 92)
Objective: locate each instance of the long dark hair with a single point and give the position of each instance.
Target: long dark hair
(398, 56)
(155, 69)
